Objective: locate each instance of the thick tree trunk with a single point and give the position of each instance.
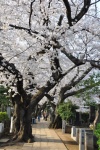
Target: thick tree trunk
(25, 132)
(22, 124)
(22, 128)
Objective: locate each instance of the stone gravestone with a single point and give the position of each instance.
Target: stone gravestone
(1, 127)
(89, 140)
(77, 135)
(81, 139)
(63, 126)
(73, 132)
(9, 111)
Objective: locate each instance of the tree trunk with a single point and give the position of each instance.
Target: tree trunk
(97, 118)
(56, 123)
(92, 114)
(25, 132)
(22, 128)
(22, 124)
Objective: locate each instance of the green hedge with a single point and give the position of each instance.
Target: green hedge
(3, 116)
(97, 134)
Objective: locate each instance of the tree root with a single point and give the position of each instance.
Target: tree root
(15, 140)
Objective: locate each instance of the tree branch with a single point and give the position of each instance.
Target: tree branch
(68, 12)
(30, 15)
(75, 60)
(50, 98)
(60, 20)
(83, 11)
(81, 90)
(12, 69)
(23, 28)
(45, 89)
(95, 64)
(72, 84)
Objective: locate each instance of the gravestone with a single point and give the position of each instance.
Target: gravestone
(63, 126)
(1, 127)
(89, 140)
(77, 135)
(81, 139)
(9, 111)
(73, 132)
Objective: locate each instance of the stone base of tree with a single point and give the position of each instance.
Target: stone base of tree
(6, 126)
(68, 129)
(1, 134)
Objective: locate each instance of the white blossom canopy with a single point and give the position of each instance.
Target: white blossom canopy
(33, 31)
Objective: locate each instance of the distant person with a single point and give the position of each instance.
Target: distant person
(39, 116)
(44, 115)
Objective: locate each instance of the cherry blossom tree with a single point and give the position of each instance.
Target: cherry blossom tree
(44, 44)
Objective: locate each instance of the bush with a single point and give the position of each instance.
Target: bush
(67, 110)
(97, 134)
(3, 116)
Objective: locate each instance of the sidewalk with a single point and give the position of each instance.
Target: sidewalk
(67, 140)
(46, 139)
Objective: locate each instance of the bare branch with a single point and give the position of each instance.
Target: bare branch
(83, 11)
(76, 61)
(50, 98)
(20, 28)
(20, 53)
(30, 15)
(95, 2)
(23, 28)
(49, 3)
(95, 64)
(68, 12)
(60, 20)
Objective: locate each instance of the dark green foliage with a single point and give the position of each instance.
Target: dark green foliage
(67, 110)
(3, 116)
(97, 134)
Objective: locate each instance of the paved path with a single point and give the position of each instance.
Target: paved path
(45, 139)
(67, 140)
